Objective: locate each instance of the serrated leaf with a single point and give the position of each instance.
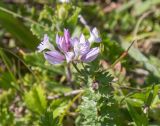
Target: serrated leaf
(36, 100)
(48, 120)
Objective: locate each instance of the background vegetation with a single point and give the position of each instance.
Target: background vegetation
(120, 88)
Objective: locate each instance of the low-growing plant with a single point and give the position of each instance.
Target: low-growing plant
(65, 71)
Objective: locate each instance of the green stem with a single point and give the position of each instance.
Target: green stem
(75, 66)
(68, 107)
(68, 73)
(84, 68)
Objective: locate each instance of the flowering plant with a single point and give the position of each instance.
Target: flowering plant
(76, 49)
(116, 90)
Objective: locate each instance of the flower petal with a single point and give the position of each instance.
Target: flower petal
(81, 46)
(69, 56)
(63, 42)
(54, 57)
(45, 44)
(75, 45)
(67, 37)
(94, 36)
(74, 41)
(82, 39)
(84, 45)
(91, 55)
(62, 45)
(57, 40)
(84, 48)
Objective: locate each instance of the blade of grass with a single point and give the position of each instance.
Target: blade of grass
(8, 65)
(18, 58)
(17, 29)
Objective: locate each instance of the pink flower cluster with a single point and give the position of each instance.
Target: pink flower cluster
(76, 49)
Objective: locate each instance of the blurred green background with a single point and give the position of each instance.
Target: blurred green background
(29, 84)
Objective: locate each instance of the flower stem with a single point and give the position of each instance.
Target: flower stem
(75, 66)
(84, 68)
(68, 73)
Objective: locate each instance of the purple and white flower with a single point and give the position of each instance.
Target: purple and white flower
(45, 44)
(70, 49)
(94, 36)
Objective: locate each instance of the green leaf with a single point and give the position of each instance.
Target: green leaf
(9, 65)
(17, 29)
(48, 120)
(37, 59)
(152, 94)
(150, 97)
(139, 119)
(88, 112)
(7, 117)
(135, 102)
(36, 100)
(135, 116)
(59, 105)
(5, 80)
(72, 21)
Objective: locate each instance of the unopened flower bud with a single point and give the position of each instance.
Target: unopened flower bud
(95, 86)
